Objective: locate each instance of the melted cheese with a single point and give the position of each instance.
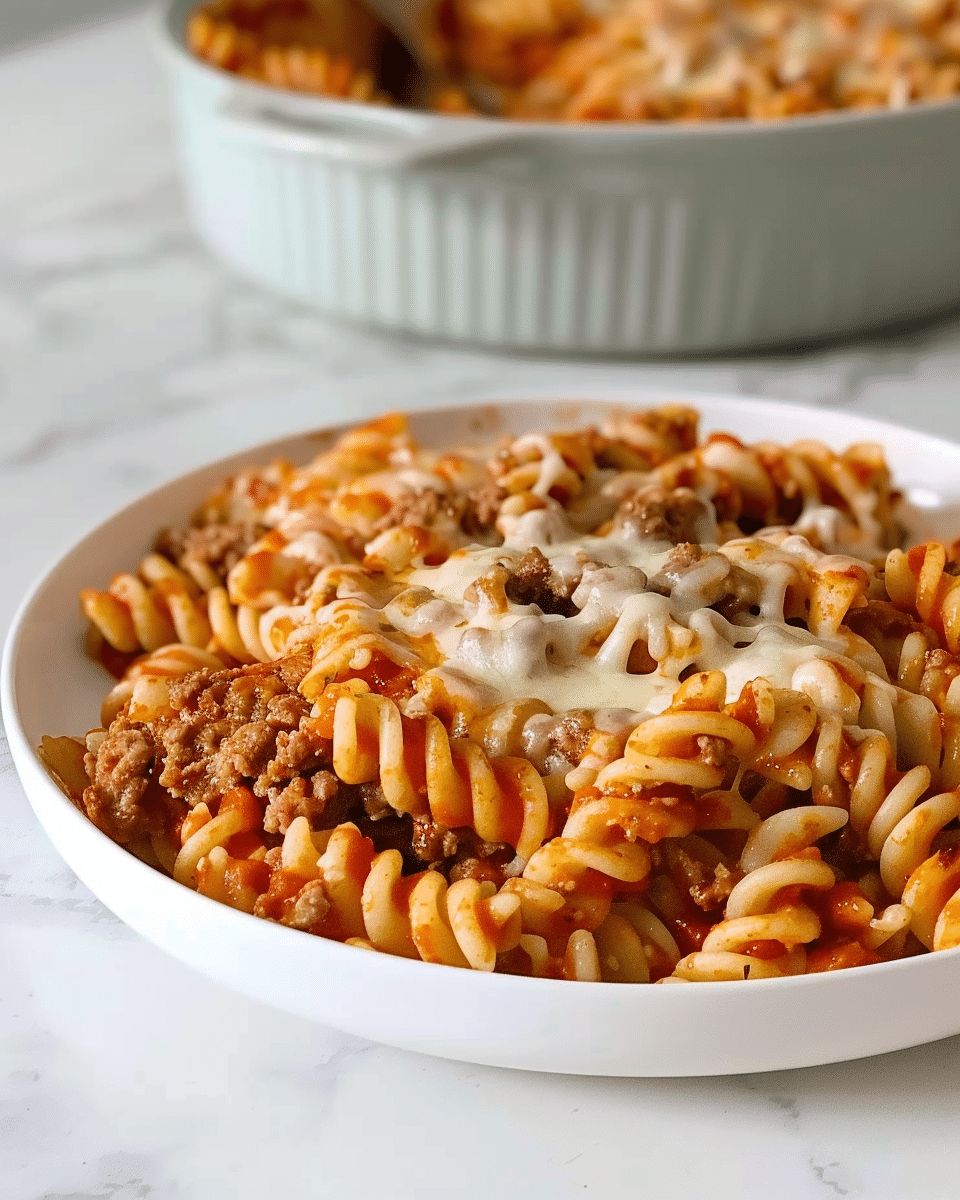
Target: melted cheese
(582, 661)
(464, 567)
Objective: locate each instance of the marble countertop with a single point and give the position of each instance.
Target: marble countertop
(128, 356)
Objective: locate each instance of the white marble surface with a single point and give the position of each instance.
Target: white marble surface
(127, 356)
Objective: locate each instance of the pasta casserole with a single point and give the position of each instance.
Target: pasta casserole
(622, 704)
(610, 60)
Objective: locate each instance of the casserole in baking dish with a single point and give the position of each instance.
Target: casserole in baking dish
(610, 238)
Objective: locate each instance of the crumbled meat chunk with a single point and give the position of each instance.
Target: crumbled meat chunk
(681, 559)
(425, 843)
(247, 753)
(422, 841)
(555, 743)
(659, 513)
(570, 736)
(476, 859)
(294, 666)
(120, 773)
(704, 579)
(298, 752)
(708, 887)
(374, 802)
(218, 546)
(482, 510)
(714, 751)
(417, 508)
(429, 840)
(235, 727)
(310, 908)
(473, 867)
(244, 727)
(712, 893)
(248, 727)
(321, 798)
(534, 581)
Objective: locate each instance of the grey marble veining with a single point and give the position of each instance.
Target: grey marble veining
(126, 357)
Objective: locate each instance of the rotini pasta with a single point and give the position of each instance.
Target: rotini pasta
(325, 49)
(609, 705)
(617, 60)
(146, 611)
(421, 769)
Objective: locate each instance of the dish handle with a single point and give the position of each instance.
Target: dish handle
(397, 142)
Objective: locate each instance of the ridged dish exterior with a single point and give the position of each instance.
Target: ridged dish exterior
(651, 244)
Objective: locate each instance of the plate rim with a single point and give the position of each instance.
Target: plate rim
(27, 762)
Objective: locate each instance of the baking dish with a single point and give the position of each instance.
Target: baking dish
(571, 238)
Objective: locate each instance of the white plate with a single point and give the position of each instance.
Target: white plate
(49, 687)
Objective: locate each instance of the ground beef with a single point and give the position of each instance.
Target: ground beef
(707, 887)
(417, 508)
(244, 726)
(534, 581)
(432, 842)
(885, 627)
(421, 841)
(570, 737)
(310, 909)
(219, 546)
(661, 514)
(425, 843)
(719, 583)
(374, 802)
(249, 727)
(120, 774)
(474, 858)
(681, 559)
(321, 798)
(714, 751)
(482, 509)
(712, 893)
(555, 743)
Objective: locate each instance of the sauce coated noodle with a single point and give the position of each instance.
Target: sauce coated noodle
(617, 704)
(608, 60)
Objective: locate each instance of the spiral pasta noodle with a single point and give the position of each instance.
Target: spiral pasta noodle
(339, 882)
(920, 582)
(422, 769)
(148, 610)
(623, 60)
(753, 917)
(610, 705)
(276, 42)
